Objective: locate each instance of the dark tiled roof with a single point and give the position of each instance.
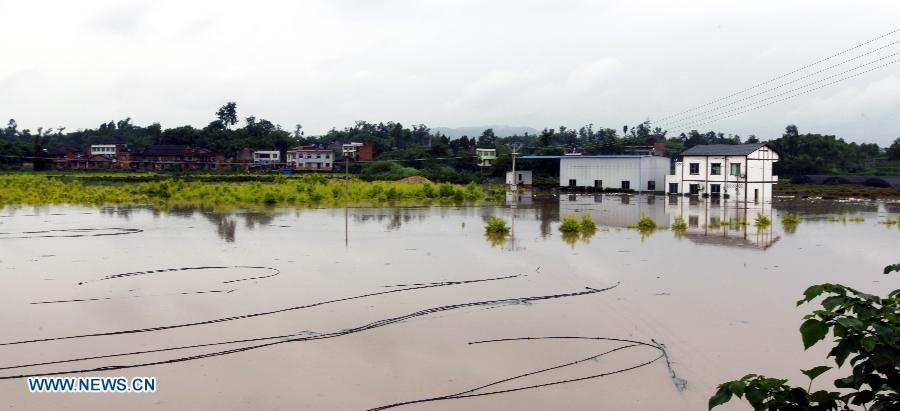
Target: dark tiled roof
(722, 149)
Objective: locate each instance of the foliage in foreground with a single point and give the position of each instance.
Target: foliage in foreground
(312, 190)
(679, 226)
(866, 330)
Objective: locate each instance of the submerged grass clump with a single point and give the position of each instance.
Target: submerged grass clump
(280, 191)
(679, 225)
(790, 222)
(574, 228)
(762, 221)
(891, 221)
(570, 224)
(496, 225)
(845, 219)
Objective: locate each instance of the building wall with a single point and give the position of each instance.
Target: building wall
(753, 183)
(317, 159)
(527, 177)
(638, 171)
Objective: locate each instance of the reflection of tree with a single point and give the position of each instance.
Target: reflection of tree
(496, 239)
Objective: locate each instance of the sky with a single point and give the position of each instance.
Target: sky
(325, 64)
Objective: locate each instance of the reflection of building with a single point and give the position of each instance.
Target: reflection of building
(522, 178)
(310, 158)
(739, 171)
(486, 156)
(617, 172)
(722, 222)
(614, 210)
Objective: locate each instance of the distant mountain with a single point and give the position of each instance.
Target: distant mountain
(475, 131)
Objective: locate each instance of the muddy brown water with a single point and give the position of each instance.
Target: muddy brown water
(720, 298)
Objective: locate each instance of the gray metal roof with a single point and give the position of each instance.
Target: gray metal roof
(722, 149)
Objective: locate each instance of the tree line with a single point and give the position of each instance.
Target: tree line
(417, 149)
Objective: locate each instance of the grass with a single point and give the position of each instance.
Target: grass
(790, 222)
(280, 191)
(496, 225)
(890, 221)
(679, 225)
(762, 221)
(844, 219)
(835, 191)
(574, 228)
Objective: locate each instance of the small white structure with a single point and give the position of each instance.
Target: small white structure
(742, 172)
(108, 150)
(618, 172)
(311, 158)
(521, 178)
(486, 156)
(266, 156)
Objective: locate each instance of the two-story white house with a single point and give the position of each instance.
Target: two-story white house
(311, 158)
(742, 172)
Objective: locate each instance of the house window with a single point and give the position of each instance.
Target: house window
(673, 188)
(695, 189)
(520, 176)
(598, 184)
(651, 185)
(736, 170)
(626, 185)
(694, 169)
(715, 189)
(571, 182)
(715, 169)
(694, 221)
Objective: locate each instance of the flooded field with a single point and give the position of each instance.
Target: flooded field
(369, 308)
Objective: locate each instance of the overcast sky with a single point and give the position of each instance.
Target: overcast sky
(324, 64)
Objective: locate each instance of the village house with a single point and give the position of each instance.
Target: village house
(522, 178)
(486, 156)
(170, 156)
(739, 171)
(310, 158)
(629, 172)
(266, 156)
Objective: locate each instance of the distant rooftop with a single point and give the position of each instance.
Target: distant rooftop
(594, 156)
(722, 149)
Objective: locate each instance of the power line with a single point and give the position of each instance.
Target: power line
(717, 112)
(784, 75)
(794, 95)
(680, 121)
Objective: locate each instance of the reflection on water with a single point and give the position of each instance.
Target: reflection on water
(719, 308)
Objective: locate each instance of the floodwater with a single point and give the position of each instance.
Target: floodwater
(362, 308)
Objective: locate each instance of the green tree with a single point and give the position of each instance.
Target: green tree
(227, 114)
(893, 152)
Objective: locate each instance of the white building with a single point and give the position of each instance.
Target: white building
(486, 156)
(522, 178)
(310, 158)
(742, 172)
(267, 156)
(616, 172)
(108, 150)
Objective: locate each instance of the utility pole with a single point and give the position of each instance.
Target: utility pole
(515, 150)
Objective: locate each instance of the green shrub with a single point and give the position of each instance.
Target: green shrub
(496, 225)
(646, 223)
(762, 221)
(679, 224)
(790, 219)
(587, 223)
(570, 224)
